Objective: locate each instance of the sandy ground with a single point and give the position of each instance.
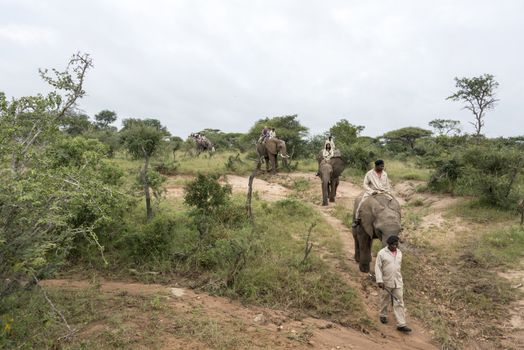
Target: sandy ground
(276, 324)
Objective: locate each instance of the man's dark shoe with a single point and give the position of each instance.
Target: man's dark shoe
(404, 329)
(383, 319)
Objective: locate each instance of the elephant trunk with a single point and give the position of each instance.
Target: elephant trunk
(325, 191)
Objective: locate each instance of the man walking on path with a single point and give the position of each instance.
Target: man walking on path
(389, 279)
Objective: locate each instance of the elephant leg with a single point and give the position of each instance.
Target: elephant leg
(364, 244)
(357, 249)
(333, 193)
(273, 164)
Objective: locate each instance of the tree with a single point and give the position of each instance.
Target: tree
(478, 94)
(445, 126)
(345, 133)
(75, 124)
(207, 196)
(143, 138)
(104, 118)
(175, 144)
(55, 191)
(406, 136)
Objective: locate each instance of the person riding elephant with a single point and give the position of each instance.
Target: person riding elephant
(202, 143)
(330, 141)
(272, 133)
(379, 218)
(330, 169)
(269, 151)
(327, 152)
(376, 181)
(264, 135)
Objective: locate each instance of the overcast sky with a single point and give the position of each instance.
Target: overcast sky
(225, 64)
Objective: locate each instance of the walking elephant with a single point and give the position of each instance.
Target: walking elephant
(269, 150)
(330, 171)
(202, 143)
(379, 218)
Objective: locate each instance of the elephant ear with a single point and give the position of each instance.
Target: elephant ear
(367, 217)
(368, 213)
(271, 146)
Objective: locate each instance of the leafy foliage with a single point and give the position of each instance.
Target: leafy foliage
(143, 138)
(56, 194)
(492, 173)
(445, 126)
(345, 133)
(206, 193)
(404, 139)
(105, 118)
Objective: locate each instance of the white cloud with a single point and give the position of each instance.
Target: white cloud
(27, 35)
(224, 64)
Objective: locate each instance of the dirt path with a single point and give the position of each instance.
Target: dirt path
(262, 323)
(268, 328)
(346, 194)
(516, 322)
(265, 190)
(330, 338)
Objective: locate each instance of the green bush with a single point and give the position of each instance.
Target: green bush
(491, 173)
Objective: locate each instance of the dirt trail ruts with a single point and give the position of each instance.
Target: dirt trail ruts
(516, 322)
(346, 194)
(265, 190)
(273, 326)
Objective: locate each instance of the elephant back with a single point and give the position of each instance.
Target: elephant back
(380, 200)
(388, 202)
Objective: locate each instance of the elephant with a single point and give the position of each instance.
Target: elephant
(330, 171)
(202, 143)
(268, 150)
(379, 218)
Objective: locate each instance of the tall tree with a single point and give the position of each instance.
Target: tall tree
(104, 118)
(407, 136)
(143, 138)
(445, 126)
(75, 124)
(478, 95)
(344, 132)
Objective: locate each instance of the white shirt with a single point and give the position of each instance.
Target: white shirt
(374, 183)
(387, 268)
(327, 154)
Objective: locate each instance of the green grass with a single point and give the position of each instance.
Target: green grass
(454, 288)
(112, 321)
(475, 211)
(406, 170)
(271, 271)
(501, 247)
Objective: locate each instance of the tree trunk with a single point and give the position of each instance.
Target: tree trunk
(145, 181)
(250, 192)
